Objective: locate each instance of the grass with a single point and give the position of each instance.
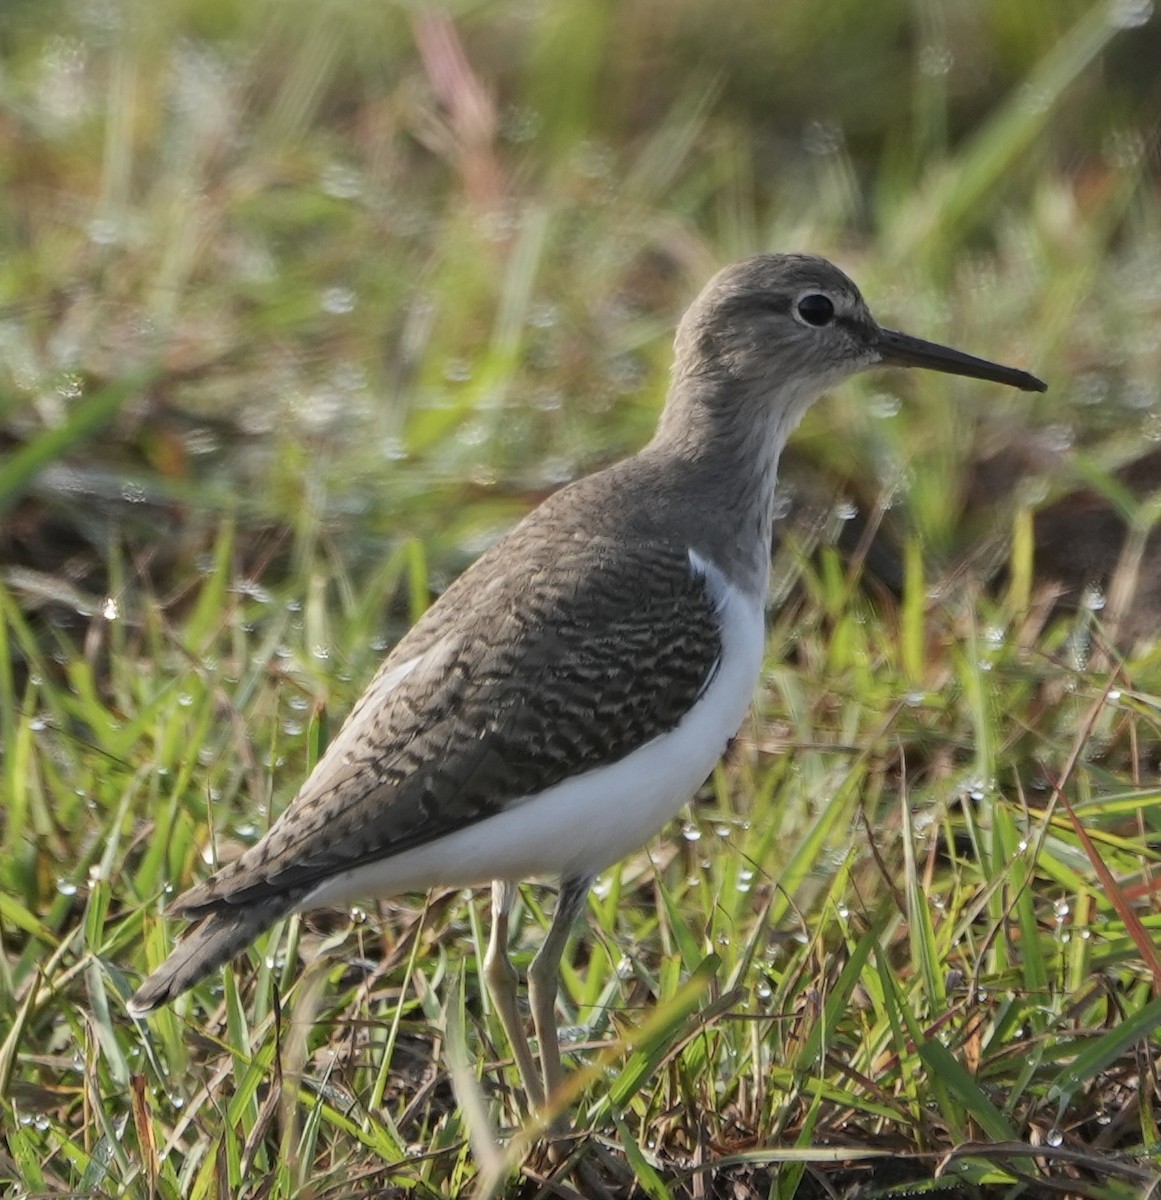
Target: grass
(288, 339)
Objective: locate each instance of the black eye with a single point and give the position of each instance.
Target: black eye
(816, 310)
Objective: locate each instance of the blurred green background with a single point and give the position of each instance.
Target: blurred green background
(396, 271)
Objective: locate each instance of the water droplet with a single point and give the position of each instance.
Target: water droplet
(104, 232)
(110, 609)
(66, 887)
(846, 511)
(1022, 846)
(691, 833)
(1130, 14)
(1054, 1137)
(253, 589)
(883, 405)
(521, 123)
(1114, 695)
(624, 967)
(935, 61)
(338, 300)
(822, 138)
(1093, 598)
(358, 916)
(340, 181)
(1060, 438)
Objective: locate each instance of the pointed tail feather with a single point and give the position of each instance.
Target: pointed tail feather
(214, 940)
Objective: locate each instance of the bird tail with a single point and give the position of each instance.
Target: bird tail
(215, 939)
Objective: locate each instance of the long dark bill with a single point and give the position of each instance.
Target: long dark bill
(902, 350)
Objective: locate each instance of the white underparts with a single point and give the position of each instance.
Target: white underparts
(587, 823)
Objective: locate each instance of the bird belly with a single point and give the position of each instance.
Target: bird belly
(583, 825)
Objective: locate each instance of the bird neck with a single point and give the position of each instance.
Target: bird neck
(721, 440)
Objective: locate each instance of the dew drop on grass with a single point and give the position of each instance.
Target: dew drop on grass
(1054, 1137)
(340, 181)
(745, 880)
(1093, 598)
(883, 405)
(690, 832)
(1130, 14)
(110, 610)
(1022, 846)
(37, 724)
(846, 511)
(338, 300)
(176, 1100)
(358, 916)
(624, 967)
(66, 887)
(935, 61)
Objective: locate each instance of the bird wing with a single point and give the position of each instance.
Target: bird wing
(512, 682)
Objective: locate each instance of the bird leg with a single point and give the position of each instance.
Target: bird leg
(500, 976)
(544, 978)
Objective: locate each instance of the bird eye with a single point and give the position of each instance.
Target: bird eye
(816, 310)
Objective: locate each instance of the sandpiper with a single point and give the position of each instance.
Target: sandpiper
(562, 700)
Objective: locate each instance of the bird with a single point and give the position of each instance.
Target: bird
(575, 686)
